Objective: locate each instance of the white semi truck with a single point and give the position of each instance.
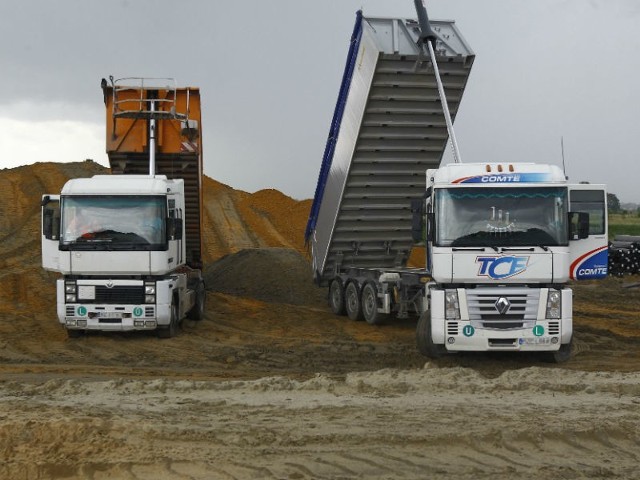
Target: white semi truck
(502, 241)
(128, 245)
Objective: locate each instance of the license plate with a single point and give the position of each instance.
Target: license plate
(109, 314)
(535, 341)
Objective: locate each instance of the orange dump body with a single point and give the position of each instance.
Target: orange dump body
(130, 111)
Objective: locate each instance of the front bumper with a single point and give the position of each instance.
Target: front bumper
(119, 318)
(110, 317)
(462, 336)
(533, 332)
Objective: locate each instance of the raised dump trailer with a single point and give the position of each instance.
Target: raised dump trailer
(387, 130)
(178, 151)
(502, 240)
(129, 244)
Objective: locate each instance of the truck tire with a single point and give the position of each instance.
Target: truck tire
(174, 324)
(197, 311)
(73, 333)
(369, 301)
(352, 302)
(563, 355)
(425, 340)
(336, 297)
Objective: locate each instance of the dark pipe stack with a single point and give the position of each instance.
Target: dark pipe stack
(624, 255)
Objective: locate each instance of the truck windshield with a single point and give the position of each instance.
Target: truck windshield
(113, 222)
(493, 217)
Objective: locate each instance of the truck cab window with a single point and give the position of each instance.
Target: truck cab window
(593, 203)
(112, 222)
(481, 217)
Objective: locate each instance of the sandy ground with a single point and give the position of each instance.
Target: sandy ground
(271, 389)
(432, 422)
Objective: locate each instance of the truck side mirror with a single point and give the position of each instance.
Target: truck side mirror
(174, 228)
(51, 220)
(578, 225)
(583, 225)
(417, 220)
(431, 221)
(47, 224)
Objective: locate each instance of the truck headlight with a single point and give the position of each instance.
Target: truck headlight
(70, 290)
(451, 305)
(554, 304)
(150, 292)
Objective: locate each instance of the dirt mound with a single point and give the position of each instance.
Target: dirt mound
(275, 275)
(235, 220)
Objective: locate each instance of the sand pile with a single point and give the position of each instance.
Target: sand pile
(275, 275)
(235, 220)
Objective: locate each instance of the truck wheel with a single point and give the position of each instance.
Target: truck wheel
(197, 311)
(562, 355)
(171, 330)
(425, 340)
(72, 333)
(336, 297)
(352, 302)
(370, 305)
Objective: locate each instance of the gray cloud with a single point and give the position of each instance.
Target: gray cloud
(269, 73)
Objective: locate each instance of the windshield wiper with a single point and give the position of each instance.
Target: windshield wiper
(129, 246)
(524, 249)
(476, 248)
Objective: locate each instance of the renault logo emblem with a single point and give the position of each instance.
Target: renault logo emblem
(502, 305)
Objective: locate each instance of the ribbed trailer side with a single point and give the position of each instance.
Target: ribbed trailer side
(388, 129)
(178, 144)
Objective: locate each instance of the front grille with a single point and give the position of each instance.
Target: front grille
(110, 320)
(523, 307)
(70, 311)
(149, 312)
(502, 342)
(503, 325)
(119, 294)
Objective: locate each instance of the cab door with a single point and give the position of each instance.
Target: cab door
(588, 232)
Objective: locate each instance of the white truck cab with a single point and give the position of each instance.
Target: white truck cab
(503, 242)
(128, 245)
(118, 242)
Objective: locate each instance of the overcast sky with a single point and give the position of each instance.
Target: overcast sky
(269, 73)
